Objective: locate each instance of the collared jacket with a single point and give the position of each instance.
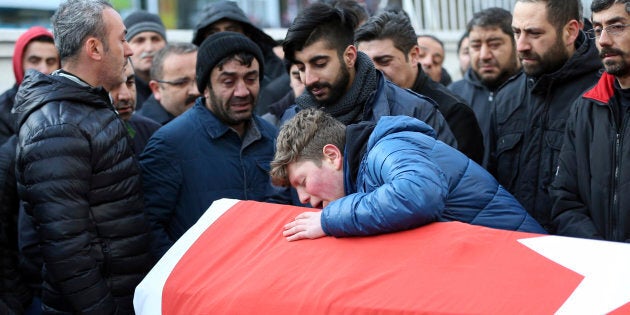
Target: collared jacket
(406, 179)
(528, 125)
(590, 190)
(197, 159)
(79, 181)
(391, 100)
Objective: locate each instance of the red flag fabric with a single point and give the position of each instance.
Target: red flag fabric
(239, 263)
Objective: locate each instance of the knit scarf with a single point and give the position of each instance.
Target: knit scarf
(349, 108)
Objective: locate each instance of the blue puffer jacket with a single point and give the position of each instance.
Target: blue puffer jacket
(407, 179)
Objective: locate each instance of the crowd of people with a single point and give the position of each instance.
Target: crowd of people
(114, 140)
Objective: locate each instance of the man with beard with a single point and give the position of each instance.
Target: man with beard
(493, 61)
(217, 149)
(139, 127)
(146, 35)
(172, 83)
(559, 64)
(590, 190)
(390, 41)
(344, 81)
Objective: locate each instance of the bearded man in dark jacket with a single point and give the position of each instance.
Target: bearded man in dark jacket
(343, 80)
(590, 190)
(559, 64)
(76, 172)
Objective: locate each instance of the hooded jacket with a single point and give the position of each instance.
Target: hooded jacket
(528, 125)
(405, 178)
(590, 189)
(79, 181)
(7, 120)
(229, 10)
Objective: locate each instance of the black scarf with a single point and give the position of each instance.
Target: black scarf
(349, 109)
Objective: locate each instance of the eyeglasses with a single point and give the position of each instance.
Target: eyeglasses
(178, 83)
(612, 30)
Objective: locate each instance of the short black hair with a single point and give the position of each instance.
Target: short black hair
(560, 12)
(600, 5)
(461, 41)
(492, 17)
(389, 25)
(320, 21)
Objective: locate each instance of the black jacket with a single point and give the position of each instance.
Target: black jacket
(481, 99)
(13, 288)
(153, 110)
(460, 118)
(7, 120)
(590, 190)
(528, 127)
(80, 182)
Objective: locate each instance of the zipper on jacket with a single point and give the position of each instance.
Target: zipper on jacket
(490, 97)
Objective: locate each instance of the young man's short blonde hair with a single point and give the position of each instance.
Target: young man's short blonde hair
(303, 138)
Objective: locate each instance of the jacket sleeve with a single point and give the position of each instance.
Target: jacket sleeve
(55, 167)
(410, 191)
(161, 180)
(569, 213)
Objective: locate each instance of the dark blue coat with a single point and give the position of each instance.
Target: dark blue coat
(196, 159)
(407, 179)
(391, 100)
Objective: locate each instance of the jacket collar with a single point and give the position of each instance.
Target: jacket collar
(603, 90)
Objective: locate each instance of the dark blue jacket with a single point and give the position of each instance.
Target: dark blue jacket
(391, 100)
(196, 159)
(406, 179)
(528, 126)
(153, 110)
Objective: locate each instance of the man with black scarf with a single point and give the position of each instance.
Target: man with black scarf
(344, 81)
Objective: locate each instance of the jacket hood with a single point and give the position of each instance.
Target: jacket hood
(357, 136)
(216, 11)
(603, 90)
(20, 46)
(584, 60)
(38, 89)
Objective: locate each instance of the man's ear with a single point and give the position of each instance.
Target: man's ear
(414, 55)
(155, 89)
(94, 48)
(333, 155)
(571, 31)
(350, 56)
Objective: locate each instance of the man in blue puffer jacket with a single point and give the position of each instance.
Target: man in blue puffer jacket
(391, 176)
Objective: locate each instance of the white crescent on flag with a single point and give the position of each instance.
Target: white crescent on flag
(234, 260)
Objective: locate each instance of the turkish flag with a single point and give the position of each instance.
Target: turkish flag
(236, 261)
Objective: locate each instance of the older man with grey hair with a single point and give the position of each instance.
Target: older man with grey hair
(77, 176)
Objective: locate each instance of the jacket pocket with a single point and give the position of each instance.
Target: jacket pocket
(508, 155)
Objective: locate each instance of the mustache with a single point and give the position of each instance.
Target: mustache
(191, 98)
(610, 51)
(121, 104)
(146, 54)
(318, 85)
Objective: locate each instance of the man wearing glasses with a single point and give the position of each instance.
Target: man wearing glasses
(172, 82)
(559, 63)
(589, 192)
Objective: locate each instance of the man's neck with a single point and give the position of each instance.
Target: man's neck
(624, 82)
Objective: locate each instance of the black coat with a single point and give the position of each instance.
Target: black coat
(528, 124)
(13, 289)
(7, 120)
(460, 118)
(590, 190)
(80, 183)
